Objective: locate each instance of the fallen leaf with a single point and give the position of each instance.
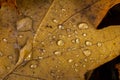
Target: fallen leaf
(66, 44)
(12, 38)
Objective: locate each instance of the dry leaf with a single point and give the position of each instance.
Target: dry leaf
(66, 44)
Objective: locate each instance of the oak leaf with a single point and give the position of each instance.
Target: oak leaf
(65, 45)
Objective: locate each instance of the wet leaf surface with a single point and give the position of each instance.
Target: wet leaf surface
(55, 40)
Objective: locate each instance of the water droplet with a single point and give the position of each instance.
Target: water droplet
(28, 57)
(76, 70)
(99, 44)
(69, 35)
(83, 26)
(4, 39)
(42, 50)
(85, 60)
(75, 32)
(77, 41)
(74, 48)
(10, 57)
(74, 25)
(88, 43)
(84, 65)
(20, 36)
(63, 9)
(77, 55)
(60, 26)
(42, 43)
(55, 21)
(40, 57)
(101, 55)
(54, 37)
(84, 34)
(66, 15)
(1, 54)
(60, 15)
(60, 36)
(92, 60)
(8, 67)
(68, 49)
(33, 66)
(87, 52)
(76, 64)
(70, 60)
(68, 30)
(73, 41)
(58, 70)
(57, 53)
(60, 42)
(57, 77)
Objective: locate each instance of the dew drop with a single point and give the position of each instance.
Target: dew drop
(33, 66)
(87, 52)
(55, 21)
(40, 57)
(57, 53)
(88, 43)
(101, 55)
(77, 41)
(74, 48)
(60, 26)
(8, 67)
(58, 70)
(68, 49)
(60, 42)
(63, 9)
(28, 57)
(75, 32)
(83, 26)
(91, 60)
(20, 36)
(99, 44)
(70, 60)
(57, 77)
(68, 30)
(84, 65)
(60, 15)
(66, 15)
(4, 40)
(69, 35)
(85, 60)
(10, 57)
(42, 50)
(73, 41)
(77, 55)
(76, 70)
(42, 43)
(54, 37)
(84, 34)
(76, 64)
